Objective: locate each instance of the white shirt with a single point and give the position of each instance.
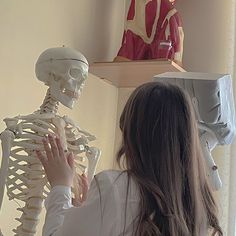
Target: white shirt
(106, 212)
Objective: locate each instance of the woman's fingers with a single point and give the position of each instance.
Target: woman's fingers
(84, 180)
(83, 185)
(61, 151)
(47, 149)
(54, 148)
(42, 158)
(58, 172)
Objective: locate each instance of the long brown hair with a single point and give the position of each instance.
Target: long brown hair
(162, 153)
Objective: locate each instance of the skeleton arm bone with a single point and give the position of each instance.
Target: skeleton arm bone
(93, 154)
(7, 138)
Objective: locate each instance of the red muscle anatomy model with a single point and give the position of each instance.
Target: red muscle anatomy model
(153, 30)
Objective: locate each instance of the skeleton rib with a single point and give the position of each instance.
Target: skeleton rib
(32, 136)
(16, 177)
(45, 125)
(36, 128)
(28, 159)
(28, 145)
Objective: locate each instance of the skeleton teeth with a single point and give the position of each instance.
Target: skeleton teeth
(72, 94)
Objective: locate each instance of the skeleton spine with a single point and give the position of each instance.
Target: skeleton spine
(35, 180)
(50, 105)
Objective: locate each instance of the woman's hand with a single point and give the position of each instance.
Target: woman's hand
(83, 186)
(58, 164)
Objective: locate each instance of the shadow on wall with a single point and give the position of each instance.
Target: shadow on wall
(104, 27)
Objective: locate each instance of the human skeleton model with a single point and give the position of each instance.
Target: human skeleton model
(213, 102)
(64, 70)
(153, 30)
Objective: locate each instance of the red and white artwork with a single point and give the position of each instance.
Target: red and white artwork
(153, 30)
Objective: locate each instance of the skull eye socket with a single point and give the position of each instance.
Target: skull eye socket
(75, 73)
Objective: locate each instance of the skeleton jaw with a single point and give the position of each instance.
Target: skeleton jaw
(71, 94)
(69, 97)
(66, 95)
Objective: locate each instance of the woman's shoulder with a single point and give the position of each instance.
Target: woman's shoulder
(116, 180)
(111, 176)
(105, 183)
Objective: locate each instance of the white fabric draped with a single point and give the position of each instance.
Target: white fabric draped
(231, 230)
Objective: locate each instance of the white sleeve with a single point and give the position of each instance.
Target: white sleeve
(57, 202)
(97, 211)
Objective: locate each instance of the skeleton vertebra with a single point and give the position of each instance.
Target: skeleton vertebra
(64, 70)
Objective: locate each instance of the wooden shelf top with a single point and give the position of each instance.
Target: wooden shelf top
(132, 73)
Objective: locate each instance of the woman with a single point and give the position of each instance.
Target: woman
(163, 190)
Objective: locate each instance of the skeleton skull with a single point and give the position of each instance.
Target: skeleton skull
(64, 70)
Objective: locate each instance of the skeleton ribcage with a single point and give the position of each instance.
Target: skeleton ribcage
(25, 171)
(26, 179)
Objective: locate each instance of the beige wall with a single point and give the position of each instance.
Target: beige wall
(123, 95)
(27, 28)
